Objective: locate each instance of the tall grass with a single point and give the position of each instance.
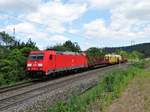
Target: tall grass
(108, 89)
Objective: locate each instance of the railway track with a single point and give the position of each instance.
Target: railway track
(15, 86)
(10, 101)
(19, 85)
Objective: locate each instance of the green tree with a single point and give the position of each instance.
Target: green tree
(13, 59)
(67, 46)
(70, 46)
(94, 52)
(58, 47)
(6, 39)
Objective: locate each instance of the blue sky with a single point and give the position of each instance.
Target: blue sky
(91, 23)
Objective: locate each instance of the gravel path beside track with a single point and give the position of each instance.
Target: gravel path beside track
(37, 98)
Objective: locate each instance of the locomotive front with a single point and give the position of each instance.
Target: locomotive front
(35, 65)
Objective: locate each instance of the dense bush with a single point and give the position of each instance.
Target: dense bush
(140, 64)
(13, 55)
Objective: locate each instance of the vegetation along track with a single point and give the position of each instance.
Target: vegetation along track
(34, 92)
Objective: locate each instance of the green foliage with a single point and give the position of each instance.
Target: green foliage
(74, 47)
(94, 52)
(6, 39)
(13, 59)
(122, 53)
(141, 64)
(117, 78)
(134, 55)
(108, 89)
(2, 80)
(58, 47)
(67, 46)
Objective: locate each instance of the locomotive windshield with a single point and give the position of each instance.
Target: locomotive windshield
(36, 56)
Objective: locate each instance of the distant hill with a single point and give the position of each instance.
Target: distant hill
(142, 48)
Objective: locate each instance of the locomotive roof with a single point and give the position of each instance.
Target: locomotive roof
(59, 52)
(67, 52)
(35, 52)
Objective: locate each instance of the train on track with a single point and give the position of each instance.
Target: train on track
(49, 62)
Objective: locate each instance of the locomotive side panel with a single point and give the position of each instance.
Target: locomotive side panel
(70, 61)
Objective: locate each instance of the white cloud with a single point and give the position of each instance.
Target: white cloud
(104, 4)
(51, 20)
(140, 9)
(4, 17)
(25, 30)
(19, 6)
(73, 31)
(28, 30)
(95, 28)
(55, 14)
(22, 27)
(58, 38)
(38, 20)
(55, 26)
(130, 20)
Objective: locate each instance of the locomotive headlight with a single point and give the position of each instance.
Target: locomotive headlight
(40, 65)
(29, 65)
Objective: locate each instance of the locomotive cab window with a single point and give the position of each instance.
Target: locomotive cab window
(51, 57)
(40, 57)
(36, 56)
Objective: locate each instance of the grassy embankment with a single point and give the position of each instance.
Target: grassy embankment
(135, 98)
(107, 90)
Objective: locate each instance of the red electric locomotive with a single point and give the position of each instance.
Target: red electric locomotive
(44, 63)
